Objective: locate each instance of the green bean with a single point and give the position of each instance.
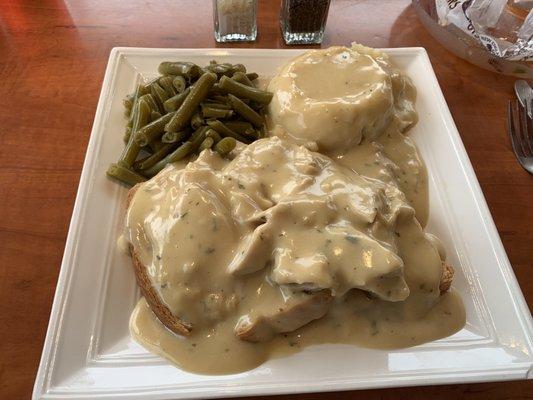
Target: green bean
(198, 136)
(206, 144)
(216, 90)
(161, 113)
(262, 133)
(220, 106)
(128, 104)
(226, 69)
(239, 126)
(159, 94)
(245, 111)
(256, 106)
(151, 102)
(155, 115)
(211, 112)
(166, 83)
(242, 78)
(140, 91)
(214, 135)
(127, 134)
(149, 162)
(156, 145)
(132, 149)
(129, 100)
(145, 88)
(252, 133)
(220, 69)
(143, 115)
(219, 99)
(181, 152)
(225, 146)
(252, 76)
(197, 120)
(186, 69)
(179, 84)
(240, 90)
(135, 166)
(239, 68)
(175, 102)
(152, 131)
(197, 94)
(124, 175)
(174, 137)
(136, 96)
(223, 130)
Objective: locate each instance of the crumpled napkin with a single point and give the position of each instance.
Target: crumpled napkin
(494, 24)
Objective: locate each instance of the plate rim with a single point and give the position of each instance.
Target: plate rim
(67, 268)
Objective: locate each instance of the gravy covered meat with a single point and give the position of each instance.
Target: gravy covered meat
(312, 235)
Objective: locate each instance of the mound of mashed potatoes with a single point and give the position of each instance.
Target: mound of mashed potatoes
(339, 95)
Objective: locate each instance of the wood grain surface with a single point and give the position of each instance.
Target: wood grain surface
(52, 59)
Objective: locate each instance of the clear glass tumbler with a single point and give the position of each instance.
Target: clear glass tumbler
(235, 20)
(303, 21)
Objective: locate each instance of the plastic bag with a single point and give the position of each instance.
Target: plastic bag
(504, 28)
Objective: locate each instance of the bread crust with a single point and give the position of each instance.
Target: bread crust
(157, 305)
(447, 278)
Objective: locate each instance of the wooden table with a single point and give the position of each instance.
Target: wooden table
(52, 60)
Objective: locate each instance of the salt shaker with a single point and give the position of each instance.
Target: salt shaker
(303, 21)
(235, 20)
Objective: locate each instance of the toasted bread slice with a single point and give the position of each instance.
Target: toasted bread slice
(246, 331)
(447, 278)
(157, 305)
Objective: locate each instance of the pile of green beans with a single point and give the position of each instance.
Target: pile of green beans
(186, 110)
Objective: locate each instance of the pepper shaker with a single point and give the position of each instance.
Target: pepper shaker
(303, 21)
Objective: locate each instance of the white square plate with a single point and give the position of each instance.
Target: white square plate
(88, 351)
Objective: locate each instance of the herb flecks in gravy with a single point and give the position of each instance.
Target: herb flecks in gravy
(283, 247)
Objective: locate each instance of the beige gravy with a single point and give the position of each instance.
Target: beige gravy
(221, 274)
(391, 158)
(289, 247)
